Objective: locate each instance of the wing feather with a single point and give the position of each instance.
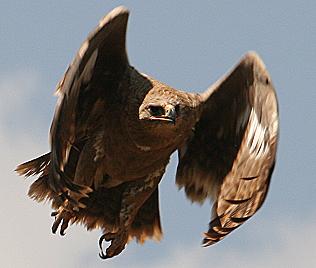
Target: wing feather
(231, 156)
(91, 80)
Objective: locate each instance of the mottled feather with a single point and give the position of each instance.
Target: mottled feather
(230, 157)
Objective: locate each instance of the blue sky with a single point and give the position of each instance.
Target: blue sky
(188, 45)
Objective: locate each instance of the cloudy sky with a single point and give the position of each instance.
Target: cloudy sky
(189, 45)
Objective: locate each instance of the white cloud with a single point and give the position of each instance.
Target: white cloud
(15, 89)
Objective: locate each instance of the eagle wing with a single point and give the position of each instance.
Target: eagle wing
(91, 81)
(231, 154)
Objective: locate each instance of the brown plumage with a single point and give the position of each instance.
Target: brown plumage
(114, 130)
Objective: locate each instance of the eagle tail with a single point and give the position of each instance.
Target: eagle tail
(40, 189)
(34, 167)
(100, 210)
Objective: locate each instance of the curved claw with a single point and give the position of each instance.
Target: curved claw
(106, 238)
(101, 254)
(54, 213)
(64, 226)
(104, 256)
(61, 217)
(118, 242)
(55, 225)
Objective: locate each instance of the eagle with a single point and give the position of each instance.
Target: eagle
(114, 130)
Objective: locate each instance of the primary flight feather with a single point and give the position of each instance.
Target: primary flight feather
(114, 130)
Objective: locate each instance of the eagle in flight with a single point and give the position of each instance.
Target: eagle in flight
(115, 128)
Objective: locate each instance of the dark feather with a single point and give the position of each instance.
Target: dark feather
(231, 156)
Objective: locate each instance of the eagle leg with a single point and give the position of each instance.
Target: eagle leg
(133, 197)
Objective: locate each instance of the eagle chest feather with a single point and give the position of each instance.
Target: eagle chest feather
(125, 150)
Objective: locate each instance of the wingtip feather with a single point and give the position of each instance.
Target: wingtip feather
(253, 59)
(115, 13)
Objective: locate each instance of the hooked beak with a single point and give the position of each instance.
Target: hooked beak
(169, 116)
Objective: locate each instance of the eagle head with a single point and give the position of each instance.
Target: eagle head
(167, 113)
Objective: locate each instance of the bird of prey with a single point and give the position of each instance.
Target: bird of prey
(115, 128)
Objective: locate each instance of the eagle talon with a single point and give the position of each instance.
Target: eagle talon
(118, 242)
(54, 213)
(101, 254)
(62, 219)
(100, 242)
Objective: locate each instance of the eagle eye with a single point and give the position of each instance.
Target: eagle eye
(156, 110)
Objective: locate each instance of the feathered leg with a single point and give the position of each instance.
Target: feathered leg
(133, 197)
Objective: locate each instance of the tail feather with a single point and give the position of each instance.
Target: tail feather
(34, 167)
(102, 206)
(40, 189)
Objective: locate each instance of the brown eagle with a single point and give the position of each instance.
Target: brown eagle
(114, 130)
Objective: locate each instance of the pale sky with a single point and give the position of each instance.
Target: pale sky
(188, 45)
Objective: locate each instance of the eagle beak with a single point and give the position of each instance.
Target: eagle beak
(171, 114)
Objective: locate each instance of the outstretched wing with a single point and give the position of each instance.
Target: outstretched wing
(92, 81)
(231, 155)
